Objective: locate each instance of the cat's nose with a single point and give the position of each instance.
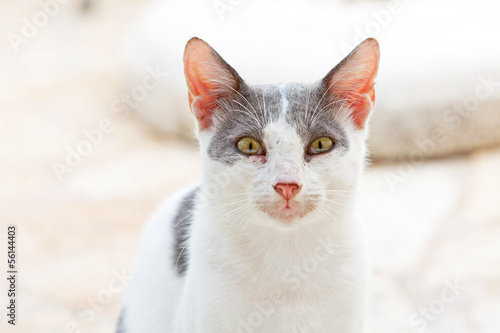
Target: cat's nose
(287, 191)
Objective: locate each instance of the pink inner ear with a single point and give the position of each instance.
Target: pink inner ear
(362, 109)
(201, 111)
(208, 77)
(198, 83)
(359, 94)
(354, 80)
(361, 100)
(200, 97)
(198, 57)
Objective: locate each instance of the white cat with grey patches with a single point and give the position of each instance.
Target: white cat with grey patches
(270, 240)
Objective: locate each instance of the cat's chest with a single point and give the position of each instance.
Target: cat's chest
(308, 280)
(299, 304)
(317, 276)
(265, 284)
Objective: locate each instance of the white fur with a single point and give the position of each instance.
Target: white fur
(249, 272)
(153, 294)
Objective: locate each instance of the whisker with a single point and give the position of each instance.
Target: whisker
(236, 91)
(254, 115)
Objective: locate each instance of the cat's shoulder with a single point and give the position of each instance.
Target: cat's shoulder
(177, 203)
(175, 213)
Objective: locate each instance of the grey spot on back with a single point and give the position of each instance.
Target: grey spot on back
(121, 325)
(181, 225)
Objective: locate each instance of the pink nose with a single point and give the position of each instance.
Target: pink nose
(287, 191)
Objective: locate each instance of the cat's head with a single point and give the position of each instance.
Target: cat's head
(288, 150)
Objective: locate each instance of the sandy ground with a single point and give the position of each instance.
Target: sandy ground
(434, 227)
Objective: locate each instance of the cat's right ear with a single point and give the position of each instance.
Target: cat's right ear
(208, 78)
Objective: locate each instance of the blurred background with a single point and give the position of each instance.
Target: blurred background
(95, 132)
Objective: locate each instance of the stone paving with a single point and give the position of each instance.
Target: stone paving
(434, 228)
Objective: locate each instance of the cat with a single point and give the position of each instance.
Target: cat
(270, 239)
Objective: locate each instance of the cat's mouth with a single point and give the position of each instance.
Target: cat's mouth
(288, 210)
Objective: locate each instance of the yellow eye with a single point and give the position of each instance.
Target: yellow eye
(320, 146)
(249, 146)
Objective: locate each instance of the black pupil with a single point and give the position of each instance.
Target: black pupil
(320, 145)
(250, 146)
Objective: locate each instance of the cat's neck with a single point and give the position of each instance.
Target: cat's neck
(250, 233)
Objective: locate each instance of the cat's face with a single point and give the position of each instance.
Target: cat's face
(290, 150)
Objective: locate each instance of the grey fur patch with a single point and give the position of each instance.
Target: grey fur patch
(182, 223)
(248, 112)
(244, 114)
(311, 113)
(121, 325)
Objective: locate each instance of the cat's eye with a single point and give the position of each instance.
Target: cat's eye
(321, 146)
(249, 146)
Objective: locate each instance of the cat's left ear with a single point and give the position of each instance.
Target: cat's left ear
(209, 78)
(353, 80)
